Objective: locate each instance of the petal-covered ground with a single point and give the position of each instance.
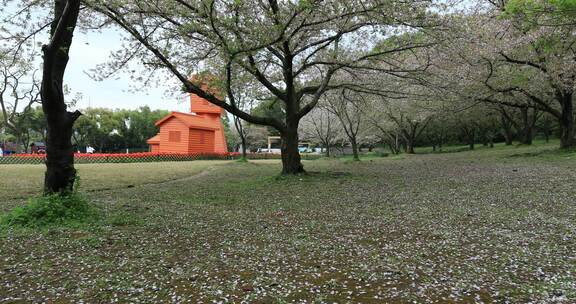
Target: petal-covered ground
(471, 227)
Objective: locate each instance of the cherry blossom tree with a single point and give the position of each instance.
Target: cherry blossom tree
(516, 55)
(323, 127)
(19, 92)
(291, 48)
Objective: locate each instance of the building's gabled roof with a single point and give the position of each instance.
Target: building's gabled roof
(154, 140)
(192, 121)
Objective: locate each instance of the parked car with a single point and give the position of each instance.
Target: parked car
(38, 147)
(266, 150)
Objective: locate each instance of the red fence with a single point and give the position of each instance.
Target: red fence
(96, 158)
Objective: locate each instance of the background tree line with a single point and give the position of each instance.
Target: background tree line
(106, 130)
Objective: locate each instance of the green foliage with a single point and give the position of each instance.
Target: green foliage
(115, 130)
(272, 108)
(521, 77)
(399, 41)
(54, 209)
(305, 4)
(242, 160)
(530, 15)
(553, 11)
(534, 6)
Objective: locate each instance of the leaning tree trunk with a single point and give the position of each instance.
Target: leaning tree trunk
(568, 132)
(240, 129)
(60, 172)
(291, 162)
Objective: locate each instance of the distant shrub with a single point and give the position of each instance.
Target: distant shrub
(55, 209)
(381, 154)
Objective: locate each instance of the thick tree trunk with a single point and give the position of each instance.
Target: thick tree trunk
(546, 128)
(527, 137)
(18, 143)
(327, 150)
(410, 136)
(567, 131)
(527, 127)
(410, 146)
(393, 148)
(60, 173)
(26, 143)
(355, 154)
(243, 139)
(507, 130)
(291, 162)
(470, 136)
(507, 137)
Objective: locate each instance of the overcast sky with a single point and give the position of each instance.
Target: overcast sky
(90, 49)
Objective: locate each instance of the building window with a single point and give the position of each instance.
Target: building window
(174, 136)
(202, 139)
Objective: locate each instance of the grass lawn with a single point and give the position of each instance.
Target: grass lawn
(493, 225)
(20, 181)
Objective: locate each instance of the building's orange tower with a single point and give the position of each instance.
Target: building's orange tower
(213, 115)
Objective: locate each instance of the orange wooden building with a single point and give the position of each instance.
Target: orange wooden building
(200, 131)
